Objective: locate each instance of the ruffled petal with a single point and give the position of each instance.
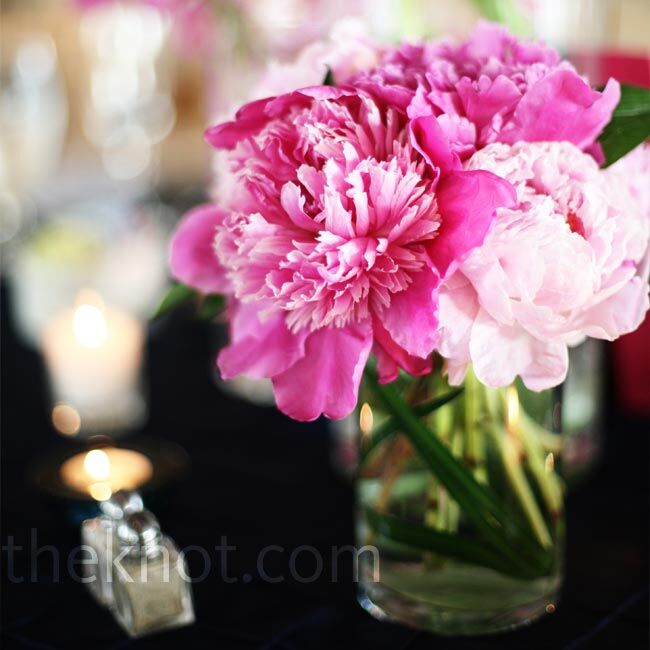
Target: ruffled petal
(501, 352)
(467, 202)
(482, 102)
(192, 258)
(620, 314)
(326, 380)
(562, 106)
(391, 357)
(251, 118)
(432, 142)
(458, 307)
(411, 318)
(259, 348)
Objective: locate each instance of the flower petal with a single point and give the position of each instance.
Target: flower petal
(620, 314)
(431, 141)
(467, 202)
(502, 352)
(391, 357)
(259, 348)
(483, 101)
(192, 257)
(411, 318)
(326, 380)
(251, 118)
(562, 106)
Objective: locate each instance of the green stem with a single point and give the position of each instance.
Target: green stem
(546, 478)
(474, 455)
(548, 441)
(446, 544)
(477, 502)
(516, 476)
(388, 427)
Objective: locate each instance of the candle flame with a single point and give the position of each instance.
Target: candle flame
(89, 325)
(97, 465)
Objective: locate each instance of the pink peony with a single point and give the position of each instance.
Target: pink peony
(493, 88)
(342, 221)
(192, 260)
(565, 263)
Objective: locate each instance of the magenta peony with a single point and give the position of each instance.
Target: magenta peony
(492, 88)
(346, 218)
(564, 264)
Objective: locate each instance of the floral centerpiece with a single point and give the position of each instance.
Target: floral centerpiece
(438, 216)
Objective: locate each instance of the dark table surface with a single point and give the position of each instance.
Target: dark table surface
(258, 479)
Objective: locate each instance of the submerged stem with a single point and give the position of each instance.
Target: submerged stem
(504, 531)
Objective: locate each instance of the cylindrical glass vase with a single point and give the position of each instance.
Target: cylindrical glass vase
(458, 492)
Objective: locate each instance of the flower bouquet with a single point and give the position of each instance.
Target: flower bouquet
(431, 230)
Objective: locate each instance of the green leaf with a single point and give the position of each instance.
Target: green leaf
(388, 428)
(211, 306)
(329, 78)
(207, 305)
(177, 295)
(629, 126)
(459, 547)
(499, 526)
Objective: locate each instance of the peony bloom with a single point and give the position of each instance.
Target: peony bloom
(565, 263)
(343, 219)
(493, 88)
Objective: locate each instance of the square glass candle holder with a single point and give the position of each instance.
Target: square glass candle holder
(151, 587)
(99, 534)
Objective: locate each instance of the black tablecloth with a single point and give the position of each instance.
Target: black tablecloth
(258, 479)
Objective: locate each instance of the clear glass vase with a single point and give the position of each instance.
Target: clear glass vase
(459, 494)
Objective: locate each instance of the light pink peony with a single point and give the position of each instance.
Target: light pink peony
(633, 172)
(345, 219)
(493, 88)
(562, 265)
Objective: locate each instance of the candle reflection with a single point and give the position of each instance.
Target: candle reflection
(66, 419)
(101, 472)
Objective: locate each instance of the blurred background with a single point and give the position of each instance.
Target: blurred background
(103, 104)
(103, 107)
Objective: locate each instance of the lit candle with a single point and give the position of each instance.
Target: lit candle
(102, 472)
(93, 355)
